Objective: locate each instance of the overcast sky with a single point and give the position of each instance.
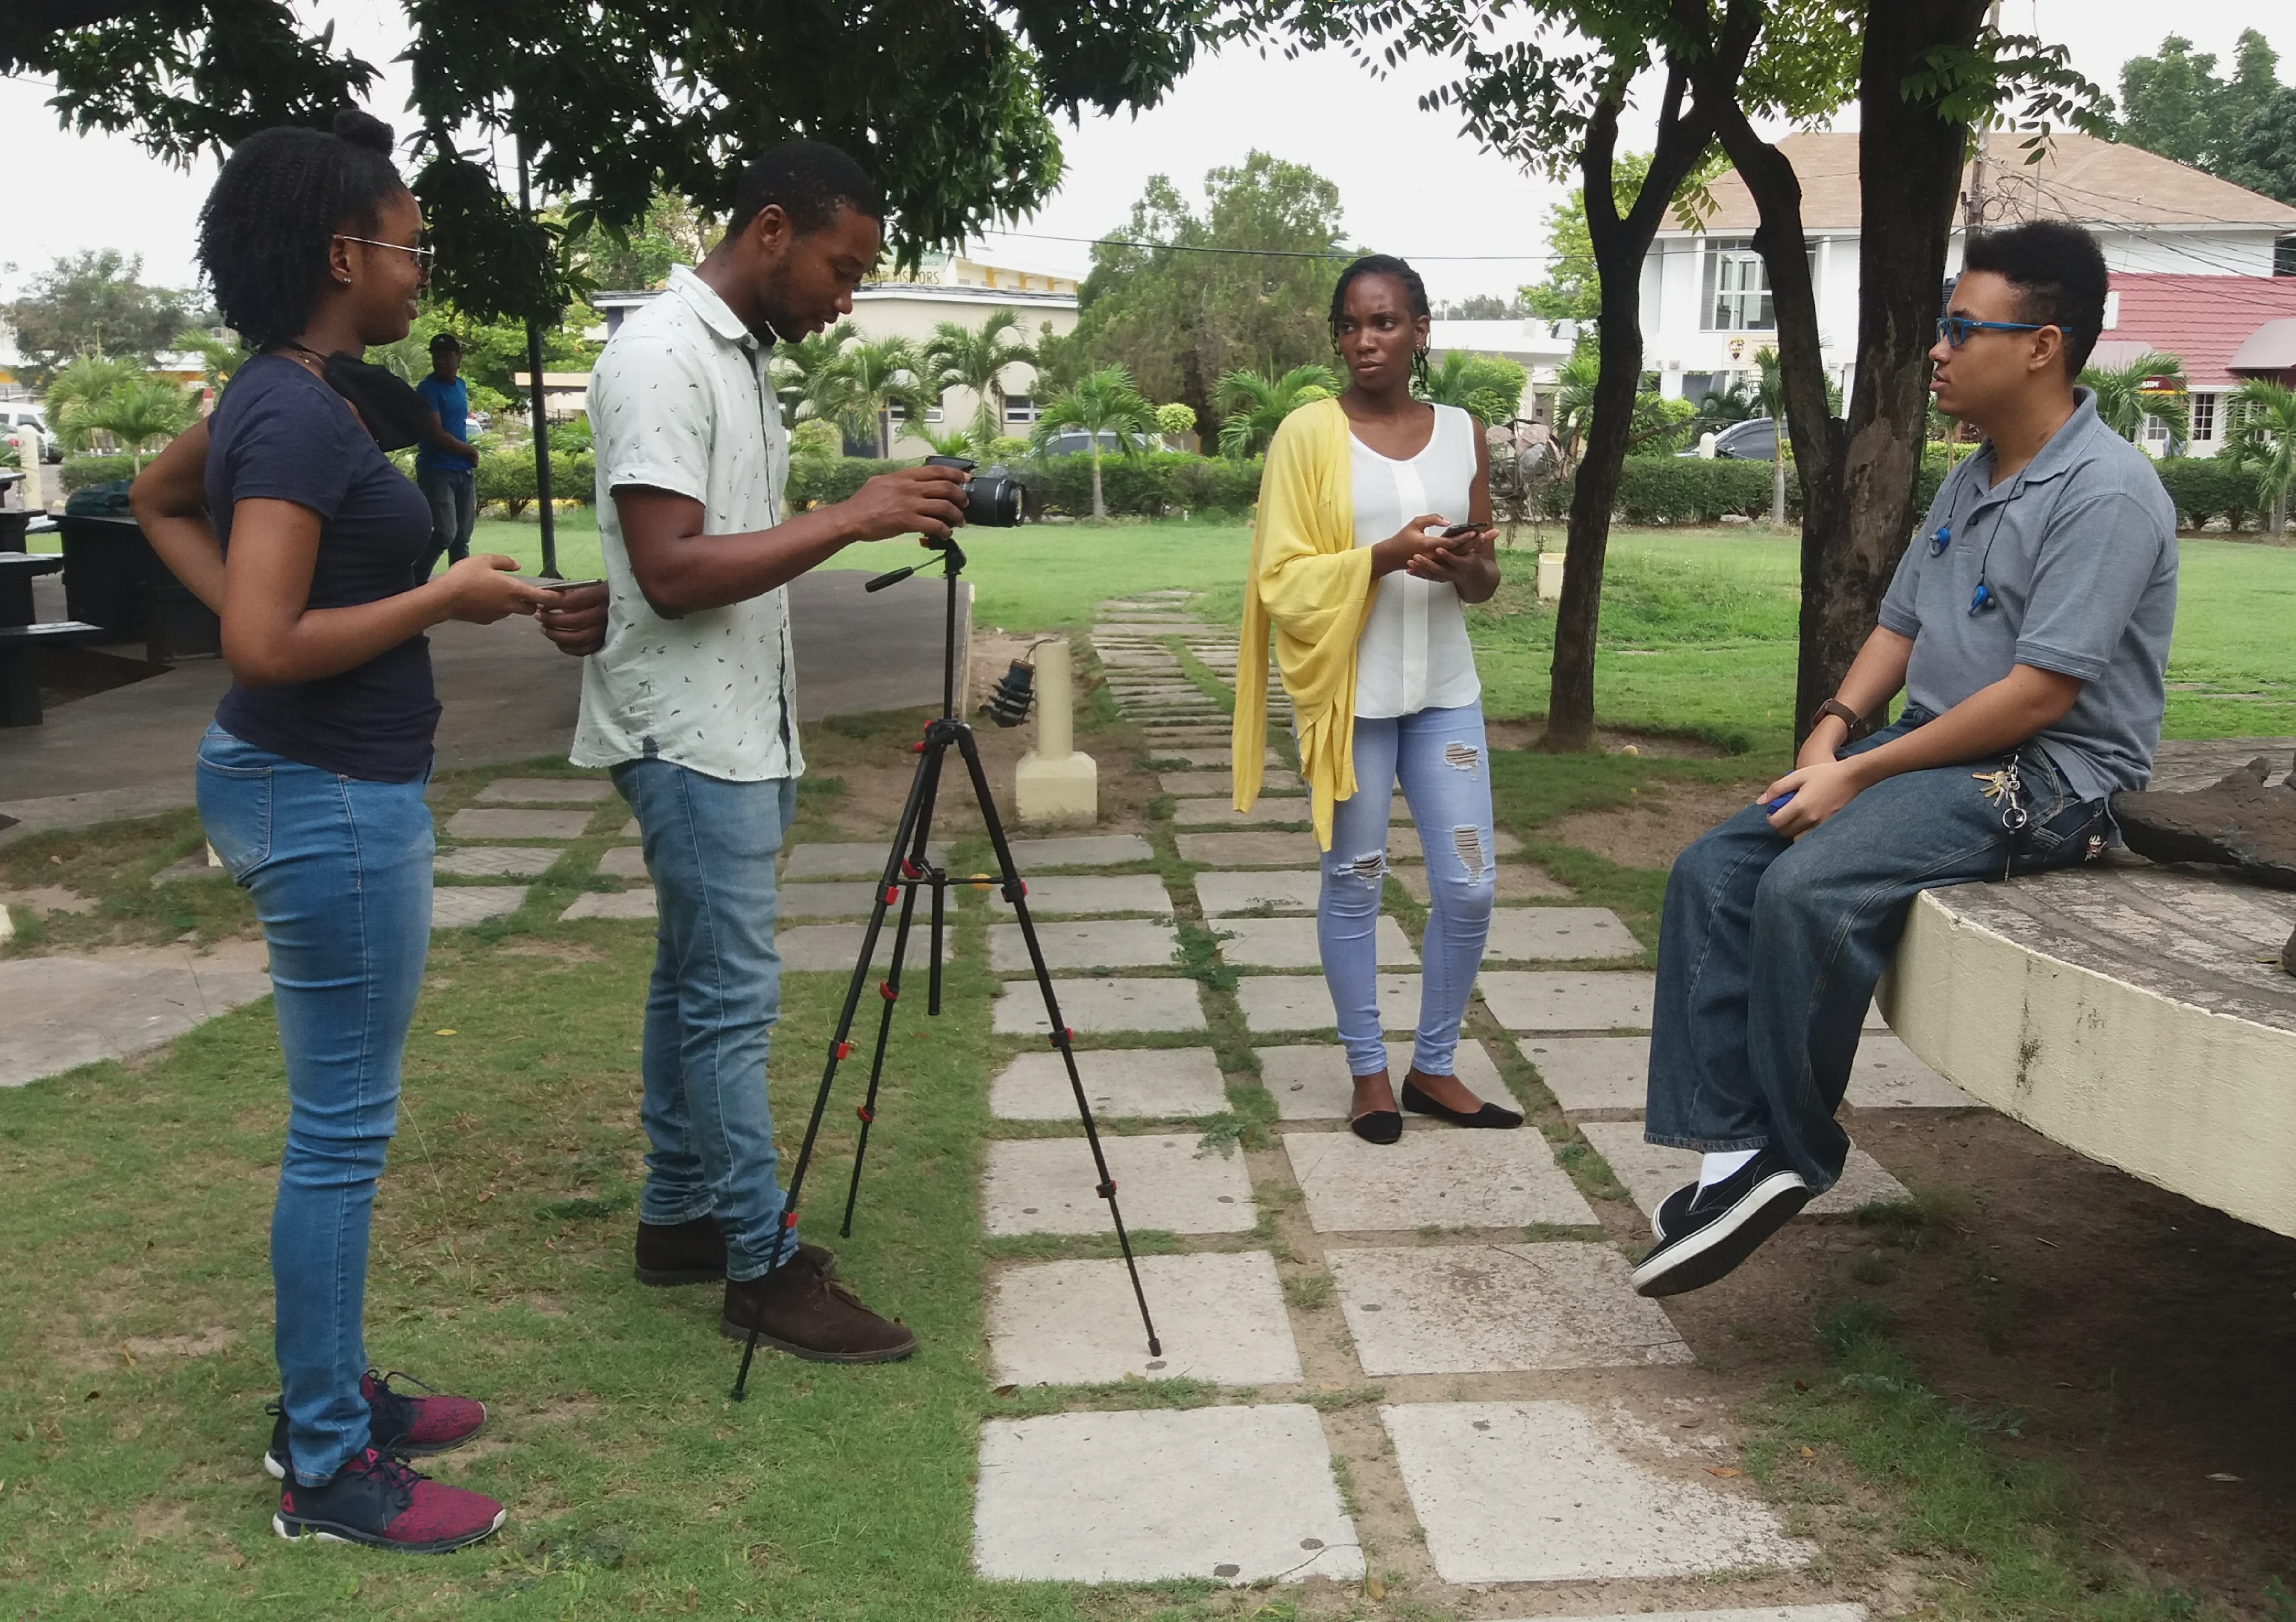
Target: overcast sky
(1409, 182)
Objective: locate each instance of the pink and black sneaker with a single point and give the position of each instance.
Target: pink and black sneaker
(382, 1502)
(408, 1426)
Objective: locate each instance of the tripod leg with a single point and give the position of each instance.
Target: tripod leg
(1017, 893)
(841, 1046)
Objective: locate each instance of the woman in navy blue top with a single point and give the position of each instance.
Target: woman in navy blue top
(310, 781)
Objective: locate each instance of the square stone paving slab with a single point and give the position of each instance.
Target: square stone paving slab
(849, 861)
(1158, 1083)
(1535, 1491)
(1079, 850)
(1491, 1309)
(1311, 1081)
(1477, 1179)
(1137, 943)
(611, 904)
(1761, 1613)
(834, 898)
(1098, 1007)
(1546, 1000)
(1225, 1494)
(69, 1009)
(457, 906)
(1403, 839)
(1167, 1182)
(1220, 1317)
(476, 823)
(1558, 934)
(1220, 894)
(1593, 1072)
(545, 791)
(1272, 1002)
(1653, 1171)
(1887, 1076)
(832, 949)
(1276, 810)
(1223, 783)
(1517, 881)
(623, 862)
(1207, 759)
(495, 861)
(1289, 943)
(1256, 847)
(1088, 894)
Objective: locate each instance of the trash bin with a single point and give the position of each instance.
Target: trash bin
(107, 564)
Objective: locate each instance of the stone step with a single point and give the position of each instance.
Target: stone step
(1137, 943)
(1273, 1003)
(1558, 934)
(625, 904)
(458, 907)
(545, 791)
(1289, 943)
(1139, 1083)
(1069, 895)
(497, 861)
(1099, 1007)
(1219, 1318)
(1563, 1000)
(1079, 850)
(856, 860)
(476, 823)
(1499, 1309)
(1222, 893)
(1310, 1082)
(1430, 1177)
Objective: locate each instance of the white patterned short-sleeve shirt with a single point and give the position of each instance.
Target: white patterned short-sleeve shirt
(681, 400)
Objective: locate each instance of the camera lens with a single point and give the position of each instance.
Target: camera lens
(993, 499)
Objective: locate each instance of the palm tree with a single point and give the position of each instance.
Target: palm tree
(1102, 402)
(217, 359)
(2266, 440)
(877, 374)
(133, 414)
(953, 442)
(2123, 403)
(1770, 397)
(958, 359)
(805, 377)
(85, 382)
(1256, 407)
(1574, 398)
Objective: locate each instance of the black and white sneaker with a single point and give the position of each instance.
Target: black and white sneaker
(1671, 1211)
(1717, 1228)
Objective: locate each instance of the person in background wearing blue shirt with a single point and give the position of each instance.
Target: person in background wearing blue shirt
(446, 466)
(2028, 625)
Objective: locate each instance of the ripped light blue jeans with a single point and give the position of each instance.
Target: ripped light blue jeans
(1439, 756)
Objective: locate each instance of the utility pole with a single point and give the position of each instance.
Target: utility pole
(1973, 204)
(534, 399)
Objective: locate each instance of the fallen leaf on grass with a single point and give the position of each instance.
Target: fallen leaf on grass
(450, 1031)
(1801, 1385)
(1373, 1589)
(1722, 1469)
(1003, 1390)
(1809, 1453)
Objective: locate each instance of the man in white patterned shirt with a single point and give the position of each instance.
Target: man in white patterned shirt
(691, 705)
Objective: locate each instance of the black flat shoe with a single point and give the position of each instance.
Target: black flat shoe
(1489, 1115)
(1377, 1126)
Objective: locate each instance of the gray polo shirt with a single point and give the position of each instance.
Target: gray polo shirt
(2078, 550)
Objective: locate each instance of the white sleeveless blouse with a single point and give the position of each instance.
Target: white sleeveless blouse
(1413, 653)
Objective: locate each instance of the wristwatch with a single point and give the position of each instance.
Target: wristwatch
(1835, 707)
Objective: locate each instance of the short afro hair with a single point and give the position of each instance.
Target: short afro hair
(267, 227)
(2057, 272)
(808, 181)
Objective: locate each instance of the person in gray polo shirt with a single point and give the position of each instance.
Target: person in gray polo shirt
(2028, 625)
(690, 702)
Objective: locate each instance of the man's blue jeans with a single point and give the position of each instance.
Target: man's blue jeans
(340, 870)
(452, 494)
(710, 1010)
(1439, 756)
(1769, 949)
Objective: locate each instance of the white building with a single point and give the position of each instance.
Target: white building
(1539, 346)
(1705, 294)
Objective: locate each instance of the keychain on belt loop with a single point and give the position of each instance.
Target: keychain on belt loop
(2007, 789)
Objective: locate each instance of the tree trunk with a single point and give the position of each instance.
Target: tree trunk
(1778, 480)
(1099, 507)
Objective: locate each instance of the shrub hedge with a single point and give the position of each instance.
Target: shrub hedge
(81, 472)
(506, 478)
(2204, 488)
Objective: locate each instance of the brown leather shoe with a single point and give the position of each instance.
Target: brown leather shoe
(814, 1317)
(694, 1253)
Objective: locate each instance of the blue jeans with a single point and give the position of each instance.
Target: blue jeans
(1769, 949)
(1437, 755)
(454, 497)
(340, 870)
(710, 1010)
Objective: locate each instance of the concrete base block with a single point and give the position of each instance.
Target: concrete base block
(1099, 1007)
(1272, 1003)
(1593, 1072)
(458, 907)
(1443, 1179)
(1171, 1184)
(1220, 1317)
(1090, 1498)
(1490, 1309)
(1524, 1000)
(1534, 1491)
(1063, 790)
(1311, 1081)
(1289, 943)
(1157, 1083)
(1653, 1171)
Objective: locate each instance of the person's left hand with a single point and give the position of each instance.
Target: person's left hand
(1457, 560)
(1819, 792)
(577, 621)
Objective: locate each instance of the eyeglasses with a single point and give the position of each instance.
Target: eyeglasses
(1956, 329)
(426, 255)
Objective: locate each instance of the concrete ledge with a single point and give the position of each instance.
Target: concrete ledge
(2121, 1011)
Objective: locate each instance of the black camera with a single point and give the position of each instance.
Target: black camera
(992, 499)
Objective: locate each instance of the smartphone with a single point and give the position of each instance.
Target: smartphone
(559, 586)
(1456, 531)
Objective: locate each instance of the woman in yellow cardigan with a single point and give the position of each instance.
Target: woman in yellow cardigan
(1374, 527)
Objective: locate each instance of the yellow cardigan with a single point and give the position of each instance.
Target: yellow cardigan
(1312, 586)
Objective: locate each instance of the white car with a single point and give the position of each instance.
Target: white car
(25, 424)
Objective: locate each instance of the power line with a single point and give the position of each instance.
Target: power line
(1289, 253)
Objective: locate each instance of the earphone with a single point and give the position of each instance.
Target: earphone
(1983, 598)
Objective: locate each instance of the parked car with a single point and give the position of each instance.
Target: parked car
(1075, 442)
(19, 421)
(1755, 440)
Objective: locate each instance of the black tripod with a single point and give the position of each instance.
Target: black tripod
(908, 869)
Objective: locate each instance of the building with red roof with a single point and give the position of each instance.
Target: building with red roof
(2225, 329)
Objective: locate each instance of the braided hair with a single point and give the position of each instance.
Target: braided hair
(1415, 293)
(267, 227)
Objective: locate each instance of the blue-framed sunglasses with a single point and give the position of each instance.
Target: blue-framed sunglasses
(1956, 329)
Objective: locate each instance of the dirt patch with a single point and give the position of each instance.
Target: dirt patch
(562, 951)
(47, 898)
(163, 1518)
(1608, 741)
(1651, 829)
(198, 1344)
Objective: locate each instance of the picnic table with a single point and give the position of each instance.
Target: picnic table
(21, 636)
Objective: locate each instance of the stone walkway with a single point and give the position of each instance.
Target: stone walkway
(1536, 1421)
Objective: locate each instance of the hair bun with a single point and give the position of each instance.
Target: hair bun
(364, 129)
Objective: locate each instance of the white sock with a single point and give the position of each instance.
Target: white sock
(1717, 1165)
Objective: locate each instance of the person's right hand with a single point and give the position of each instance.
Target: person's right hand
(1420, 534)
(482, 589)
(925, 501)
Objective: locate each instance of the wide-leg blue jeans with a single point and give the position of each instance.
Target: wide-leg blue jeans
(1438, 756)
(1769, 949)
(340, 869)
(716, 995)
